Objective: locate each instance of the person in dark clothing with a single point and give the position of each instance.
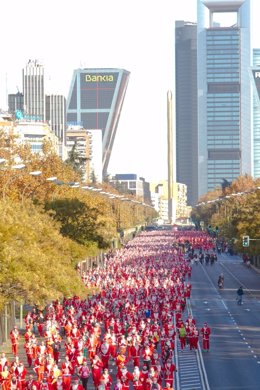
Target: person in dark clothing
(240, 294)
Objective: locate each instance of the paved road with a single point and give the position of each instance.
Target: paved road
(233, 362)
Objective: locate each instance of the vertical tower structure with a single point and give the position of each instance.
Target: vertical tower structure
(255, 78)
(33, 90)
(224, 108)
(171, 161)
(56, 115)
(186, 107)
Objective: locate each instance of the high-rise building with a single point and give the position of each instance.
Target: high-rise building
(95, 101)
(224, 107)
(213, 108)
(186, 107)
(55, 114)
(15, 102)
(255, 77)
(33, 90)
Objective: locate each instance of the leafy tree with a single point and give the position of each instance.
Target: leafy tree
(37, 264)
(75, 161)
(77, 220)
(235, 213)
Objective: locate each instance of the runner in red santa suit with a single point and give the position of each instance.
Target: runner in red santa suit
(15, 337)
(75, 333)
(106, 379)
(168, 372)
(97, 367)
(105, 353)
(125, 377)
(21, 375)
(3, 361)
(147, 355)
(14, 384)
(76, 385)
(205, 331)
(5, 378)
(34, 343)
(67, 370)
(144, 378)
(134, 352)
(30, 382)
(113, 345)
(80, 359)
(152, 374)
(58, 384)
(92, 346)
(28, 334)
(39, 367)
(29, 353)
(136, 379)
(190, 320)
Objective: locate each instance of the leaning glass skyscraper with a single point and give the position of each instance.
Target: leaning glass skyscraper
(95, 101)
(224, 118)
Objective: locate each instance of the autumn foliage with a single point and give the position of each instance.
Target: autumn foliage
(48, 224)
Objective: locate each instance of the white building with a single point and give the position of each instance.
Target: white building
(96, 164)
(35, 134)
(88, 146)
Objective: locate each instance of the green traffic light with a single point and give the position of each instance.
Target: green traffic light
(245, 241)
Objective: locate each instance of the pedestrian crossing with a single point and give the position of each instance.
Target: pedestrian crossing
(189, 375)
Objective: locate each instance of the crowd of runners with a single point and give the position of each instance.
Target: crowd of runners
(124, 336)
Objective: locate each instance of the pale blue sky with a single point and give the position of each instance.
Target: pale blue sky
(136, 36)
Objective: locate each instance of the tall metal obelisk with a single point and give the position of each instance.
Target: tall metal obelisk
(171, 165)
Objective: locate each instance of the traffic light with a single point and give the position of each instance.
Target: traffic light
(245, 240)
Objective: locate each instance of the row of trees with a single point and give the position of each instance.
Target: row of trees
(48, 224)
(233, 212)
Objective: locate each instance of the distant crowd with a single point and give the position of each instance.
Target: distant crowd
(125, 336)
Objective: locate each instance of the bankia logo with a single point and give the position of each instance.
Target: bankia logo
(99, 78)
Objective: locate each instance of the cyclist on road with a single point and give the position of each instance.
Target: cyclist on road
(240, 294)
(221, 281)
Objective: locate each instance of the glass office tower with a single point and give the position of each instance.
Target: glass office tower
(186, 107)
(255, 77)
(224, 118)
(33, 90)
(95, 101)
